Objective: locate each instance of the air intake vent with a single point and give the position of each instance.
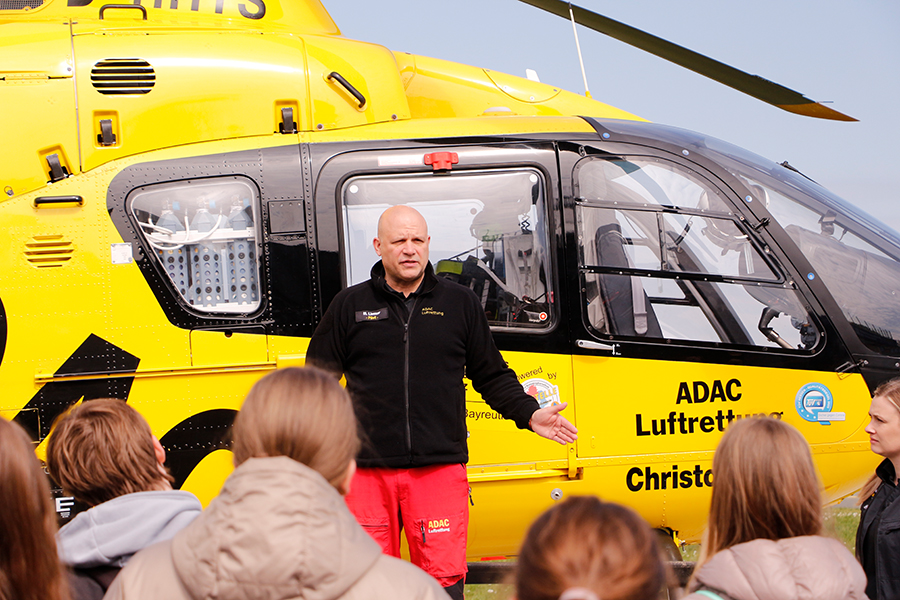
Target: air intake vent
(118, 76)
(45, 251)
(20, 4)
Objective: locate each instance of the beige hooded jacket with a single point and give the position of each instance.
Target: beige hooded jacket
(277, 531)
(798, 568)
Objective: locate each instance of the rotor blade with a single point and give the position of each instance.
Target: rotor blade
(753, 85)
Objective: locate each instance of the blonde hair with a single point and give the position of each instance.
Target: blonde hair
(29, 567)
(102, 449)
(596, 546)
(890, 391)
(303, 414)
(765, 486)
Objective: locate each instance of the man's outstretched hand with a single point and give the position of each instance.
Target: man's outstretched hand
(548, 423)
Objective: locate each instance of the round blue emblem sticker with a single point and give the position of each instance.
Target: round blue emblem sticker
(812, 399)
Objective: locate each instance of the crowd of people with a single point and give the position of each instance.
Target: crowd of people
(281, 528)
(311, 513)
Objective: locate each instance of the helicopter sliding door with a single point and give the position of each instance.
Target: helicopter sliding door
(491, 224)
(492, 217)
(689, 320)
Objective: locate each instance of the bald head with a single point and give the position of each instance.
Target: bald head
(401, 216)
(402, 244)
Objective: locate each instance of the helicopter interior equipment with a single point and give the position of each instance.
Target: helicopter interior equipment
(186, 186)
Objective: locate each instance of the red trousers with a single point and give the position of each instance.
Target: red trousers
(430, 503)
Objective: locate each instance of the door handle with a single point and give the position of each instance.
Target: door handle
(334, 75)
(589, 345)
(126, 6)
(58, 201)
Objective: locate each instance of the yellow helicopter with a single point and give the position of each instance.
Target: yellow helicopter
(190, 184)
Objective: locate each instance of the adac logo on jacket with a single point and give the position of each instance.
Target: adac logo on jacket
(429, 310)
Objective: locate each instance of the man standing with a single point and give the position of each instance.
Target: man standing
(404, 340)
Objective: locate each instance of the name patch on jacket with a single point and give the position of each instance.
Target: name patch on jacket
(379, 314)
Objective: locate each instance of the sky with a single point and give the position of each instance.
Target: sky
(843, 51)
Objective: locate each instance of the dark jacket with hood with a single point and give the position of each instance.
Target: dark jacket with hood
(405, 365)
(100, 541)
(878, 536)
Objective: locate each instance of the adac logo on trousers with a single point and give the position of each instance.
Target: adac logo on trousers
(438, 525)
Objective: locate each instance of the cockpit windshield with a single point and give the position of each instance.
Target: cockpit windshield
(856, 256)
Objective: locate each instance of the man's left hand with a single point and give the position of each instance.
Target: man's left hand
(548, 423)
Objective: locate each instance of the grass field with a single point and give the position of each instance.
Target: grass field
(840, 523)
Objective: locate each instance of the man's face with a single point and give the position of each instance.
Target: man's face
(402, 244)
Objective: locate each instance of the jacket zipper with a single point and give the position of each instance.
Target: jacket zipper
(422, 529)
(406, 379)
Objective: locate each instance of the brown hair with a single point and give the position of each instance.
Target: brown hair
(103, 449)
(765, 486)
(585, 543)
(303, 414)
(29, 567)
(889, 390)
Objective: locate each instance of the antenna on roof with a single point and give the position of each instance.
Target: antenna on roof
(587, 92)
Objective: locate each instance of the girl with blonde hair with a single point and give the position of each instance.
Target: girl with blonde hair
(280, 528)
(878, 535)
(29, 567)
(765, 521)
(586, 549)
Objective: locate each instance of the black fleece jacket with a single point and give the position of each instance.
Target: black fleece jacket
(405, 368)
(878, 537)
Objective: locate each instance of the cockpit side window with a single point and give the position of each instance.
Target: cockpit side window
(488, 232)
(863, 280)
(661, 257)
(203, 234)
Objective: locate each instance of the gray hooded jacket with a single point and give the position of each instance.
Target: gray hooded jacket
(277, 531)
(798, 568)
(109, 534)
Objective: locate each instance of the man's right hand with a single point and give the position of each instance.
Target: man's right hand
(548, 423)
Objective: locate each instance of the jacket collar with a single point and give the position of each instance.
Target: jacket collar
(886, 472)
(378, 280)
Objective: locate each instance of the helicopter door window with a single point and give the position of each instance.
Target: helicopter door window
(203, 234)
(665, 272)
(488, 232)
(635, 232)
(704, 244)
(699, 311)
(664, 240)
